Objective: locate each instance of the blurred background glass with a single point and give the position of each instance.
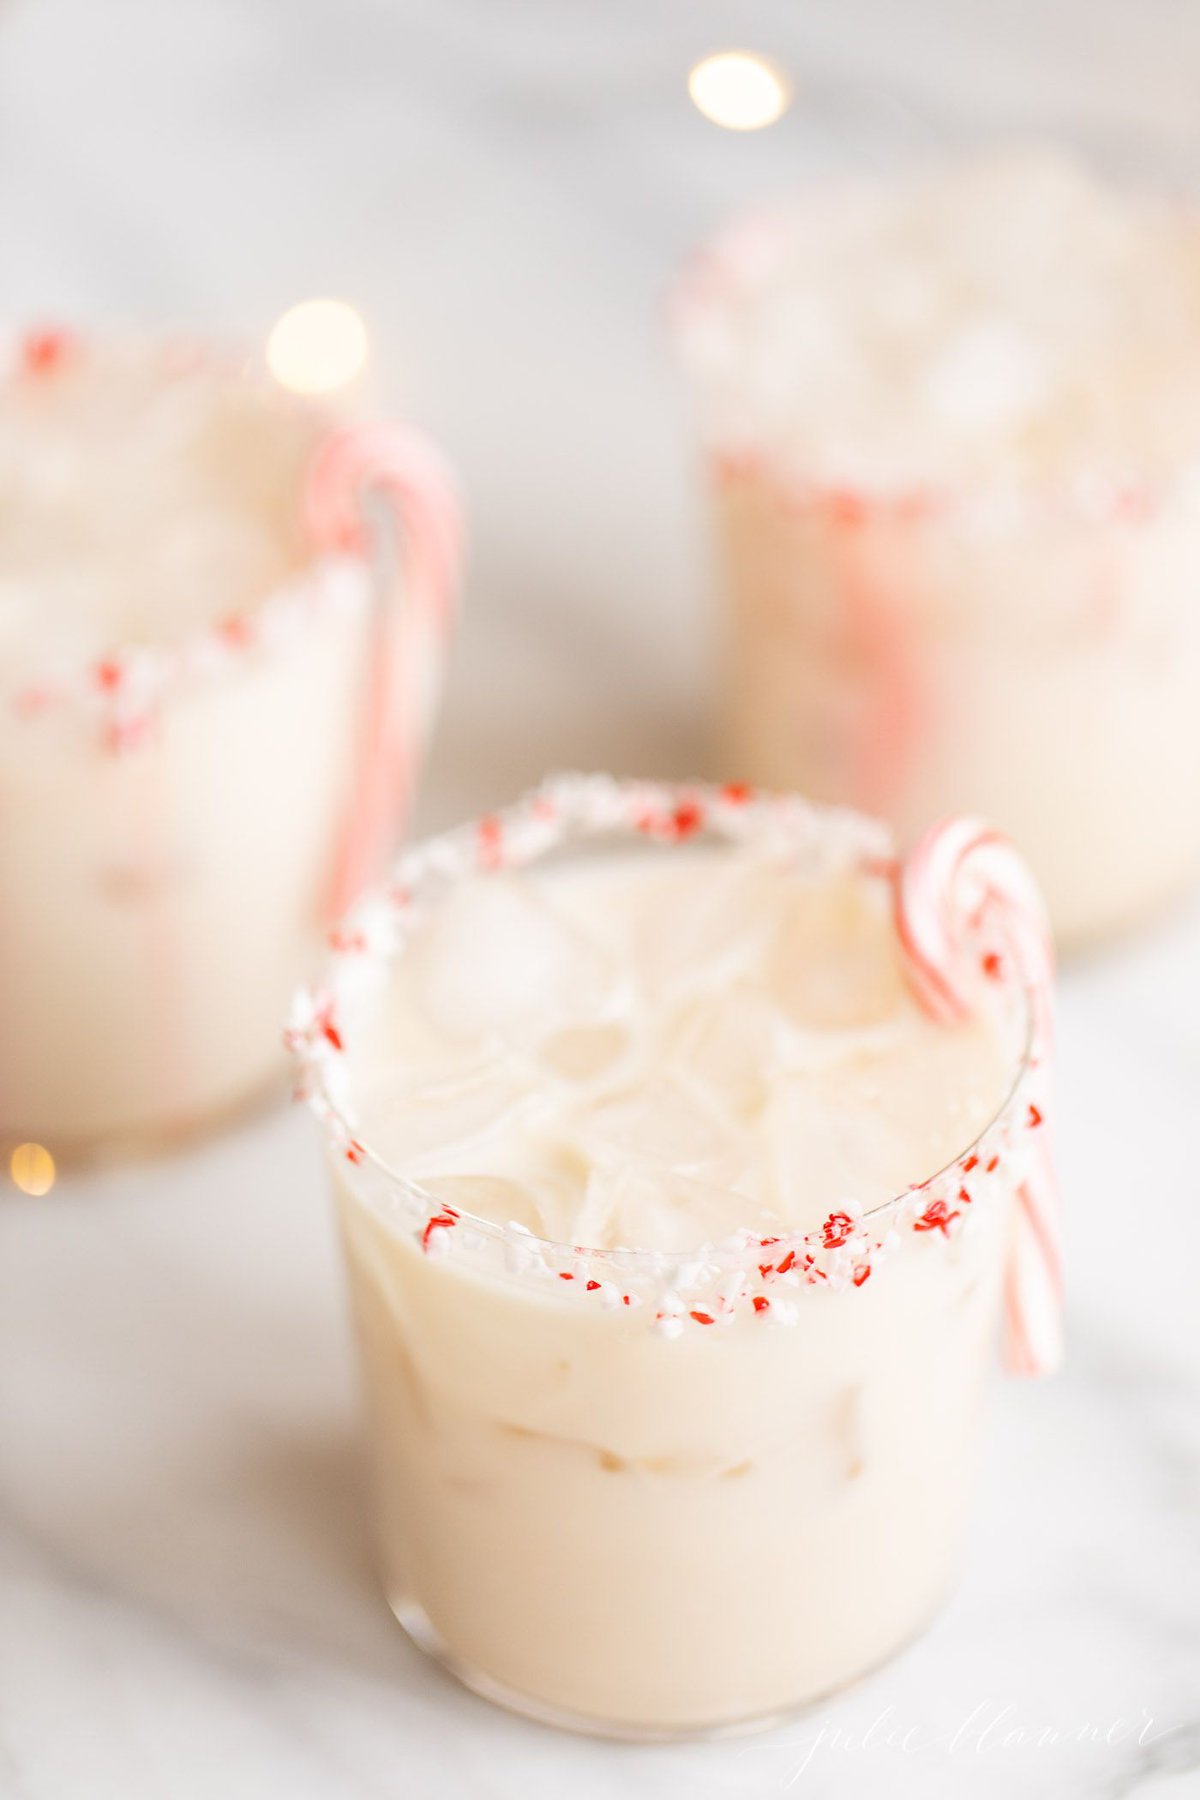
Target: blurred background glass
(503, 193)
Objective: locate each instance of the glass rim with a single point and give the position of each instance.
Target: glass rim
(1086, 497)
(129, 675)
(731, 256)
(568, 812)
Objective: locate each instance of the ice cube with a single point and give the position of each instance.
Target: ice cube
(415, 1128)
(834, 964)
(496, 959)
(544, 1203)
(656, 1209)
(662, 1125)
(487, 1197)
(827, 1145)
(584, 1053)
(705, 923)
(724, 1043)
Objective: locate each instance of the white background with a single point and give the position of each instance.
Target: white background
(503, 186)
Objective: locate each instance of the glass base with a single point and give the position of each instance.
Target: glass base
(144, 1143)
(417, 1626)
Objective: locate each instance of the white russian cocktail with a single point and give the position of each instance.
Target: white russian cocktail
(185, 727)
(677, 1234)
(952, 431)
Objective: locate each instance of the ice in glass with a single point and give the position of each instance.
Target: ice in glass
(679, 1227)
(197, 675)
(952, 429)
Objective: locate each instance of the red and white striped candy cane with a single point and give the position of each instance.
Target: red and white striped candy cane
(413, 620)
(962, 890)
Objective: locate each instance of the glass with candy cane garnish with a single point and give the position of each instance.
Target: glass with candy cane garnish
(213, 697)
(689, 1152)
(952, 427)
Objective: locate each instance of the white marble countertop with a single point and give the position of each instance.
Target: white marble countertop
(186, 1605)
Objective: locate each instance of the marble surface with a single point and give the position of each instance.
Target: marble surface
(186, 1603)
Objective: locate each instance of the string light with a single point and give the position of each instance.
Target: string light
(317, 347)
(32, 1169)
(739, 90)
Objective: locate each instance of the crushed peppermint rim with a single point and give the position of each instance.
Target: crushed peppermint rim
(738, 257)
(741, 1274)
(122, 690)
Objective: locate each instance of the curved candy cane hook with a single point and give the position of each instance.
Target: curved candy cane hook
(961, 882)
(414, 615)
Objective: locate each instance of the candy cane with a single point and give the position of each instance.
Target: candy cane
(961, 886)
(871, 547)
(413, 620)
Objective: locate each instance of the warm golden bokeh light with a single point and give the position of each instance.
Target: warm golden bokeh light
(317, 347)
(741, 91)
(32, 1168)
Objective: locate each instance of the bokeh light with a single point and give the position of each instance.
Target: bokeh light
(317, 347)
(32, 1169)
(739, 90)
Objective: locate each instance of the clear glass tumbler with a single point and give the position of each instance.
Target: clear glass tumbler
(949, 435)
(212, 704)
(652, 1495)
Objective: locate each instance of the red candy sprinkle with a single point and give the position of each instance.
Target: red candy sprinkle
(846, 507)
(972, 1162)
(1035, 1117)
(992, 966)
(785, 1263)
(44, 351)
(126, 734)
(687, 819)
(702, 1318)
(440, 1222)
(490, 836)
(354, 1151)
(838, 1227)
(592, 1286)
(565, 1275)
(344, 942)
(936, 1217)
(236, 631)
(861, 1273)
(761, 1303)
(737, 793)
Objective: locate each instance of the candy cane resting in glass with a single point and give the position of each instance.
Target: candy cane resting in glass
(212, 706)
(688, 1151)
(952, 427)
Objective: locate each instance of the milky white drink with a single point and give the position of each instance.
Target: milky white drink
(185, 725)
(673, 1406)
(954, 432)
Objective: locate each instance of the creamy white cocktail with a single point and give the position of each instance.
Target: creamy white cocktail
(953, 429)
(198, 683)
(678, 1233)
